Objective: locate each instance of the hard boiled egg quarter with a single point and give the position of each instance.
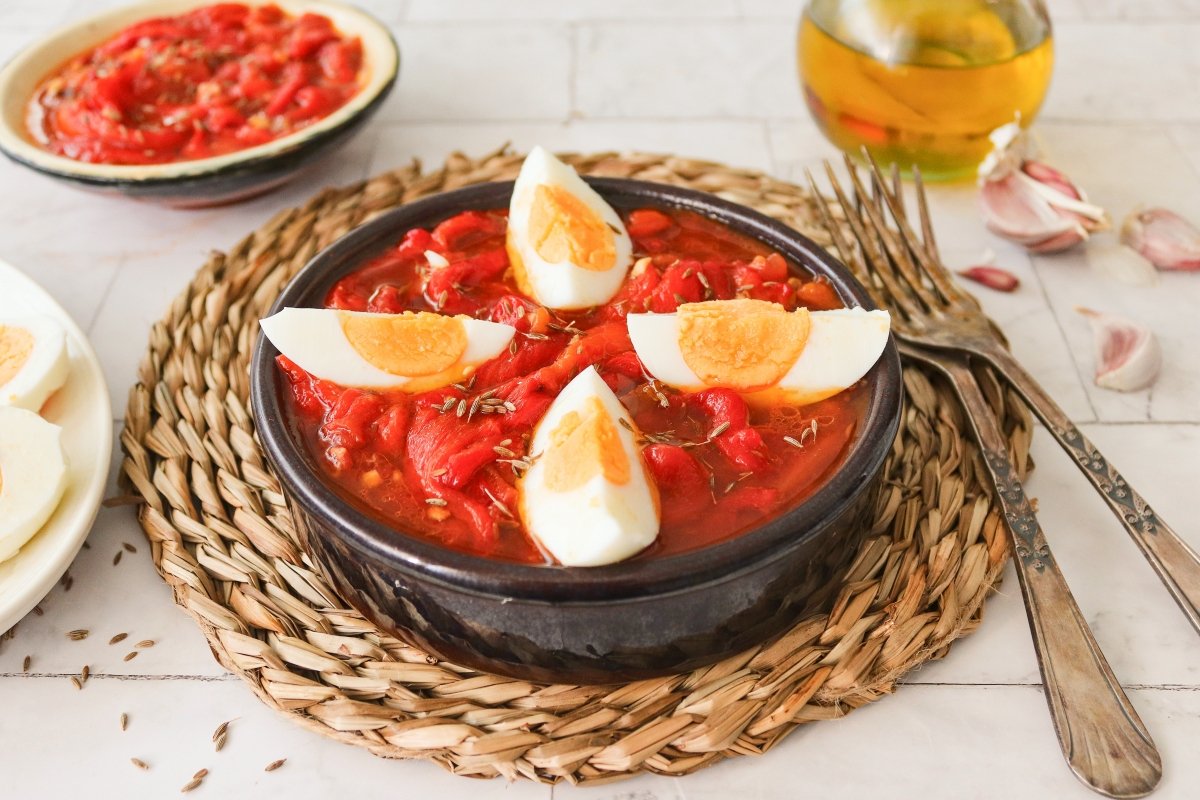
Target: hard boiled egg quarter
(588, 498)
(756, 346)
(33, 361)
(33, 476)
(568, 247)
(413, 351)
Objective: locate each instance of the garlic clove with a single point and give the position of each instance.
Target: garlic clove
(992, 277)
(1128, 356)
(1121, 263)
(1011, 209)
(1165, 239)
(1030, 202)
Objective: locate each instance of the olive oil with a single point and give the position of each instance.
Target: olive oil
(923, 82)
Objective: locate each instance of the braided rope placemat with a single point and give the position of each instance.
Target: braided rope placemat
(223, 538)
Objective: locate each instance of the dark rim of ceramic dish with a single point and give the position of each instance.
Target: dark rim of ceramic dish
(239, 166)
(629, 579)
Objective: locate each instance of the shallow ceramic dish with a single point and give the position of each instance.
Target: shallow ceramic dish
(83, 410)
(590, 625)
(206, 181)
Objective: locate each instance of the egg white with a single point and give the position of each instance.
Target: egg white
(599, 522)
(33, 476)
(842, 345)
(44, 371)
(314, 339)
(564, 285)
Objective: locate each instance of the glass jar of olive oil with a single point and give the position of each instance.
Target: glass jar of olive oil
(923, 81)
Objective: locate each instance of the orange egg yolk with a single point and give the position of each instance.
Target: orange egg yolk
(562, 228)
(742, 344)
(16, 344)
(412, 344)
(583, 445)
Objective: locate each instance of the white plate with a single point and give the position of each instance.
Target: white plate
(81, 407)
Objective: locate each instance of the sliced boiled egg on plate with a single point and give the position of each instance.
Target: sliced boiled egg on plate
(588, 499)
(414, 351)
(754, 346)
(568, 247)
(33, 476)
(33, 361)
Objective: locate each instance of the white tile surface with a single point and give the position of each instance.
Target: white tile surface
(711, 79)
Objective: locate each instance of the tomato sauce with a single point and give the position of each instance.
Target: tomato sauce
(721, 466)
(212, 81)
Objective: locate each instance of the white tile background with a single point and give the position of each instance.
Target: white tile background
(707, 78)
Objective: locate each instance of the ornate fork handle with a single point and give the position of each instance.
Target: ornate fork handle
(1176, 563)
(1100, 733)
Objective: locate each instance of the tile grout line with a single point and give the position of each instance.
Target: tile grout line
(1062, 332)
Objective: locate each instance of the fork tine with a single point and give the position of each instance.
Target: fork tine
(898, 187)
(851, 256)
(931, 261)
(899, 253)
(923, 258)
(872, 255)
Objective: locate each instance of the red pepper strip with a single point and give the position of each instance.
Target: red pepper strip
(680, 480)
(295, 79)
(741, 444)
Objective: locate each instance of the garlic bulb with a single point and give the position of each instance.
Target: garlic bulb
(1031, 203)
(1164, 238)
(1128, 356)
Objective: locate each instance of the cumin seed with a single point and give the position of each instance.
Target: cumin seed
(462, 408)
(25, 664)
(717, 431)
(128, 547)
(274, 765)
(85, 673)
(511, 406)
(436, 501)
(504, 451)
(117, 557)
(201, 774)
(793, 442)
(144, 643)
(124, 721)
(120, 637)
(78, 684)
(220, 734)
(137, 762)
(130, 656)
(78, 635)
(437, 473)
(192, 784)
(624, 423)
(512, 347)
(38, 609)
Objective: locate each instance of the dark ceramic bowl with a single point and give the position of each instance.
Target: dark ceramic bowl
(206, 181)
(594, 624)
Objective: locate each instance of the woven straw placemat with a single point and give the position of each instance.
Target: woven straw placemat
(223, 538)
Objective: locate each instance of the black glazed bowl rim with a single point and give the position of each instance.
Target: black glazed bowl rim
(624, 580)
(194, 174)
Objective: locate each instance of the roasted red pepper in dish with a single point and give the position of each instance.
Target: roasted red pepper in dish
(215, 80)
(721, 465)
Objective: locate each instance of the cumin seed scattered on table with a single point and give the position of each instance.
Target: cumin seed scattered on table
(120, 637)
(78, 635)
(137, 762)
(144, 643)
(274, 765)
(124, 721)
(25, 664)
(130, 656)
(220, 734)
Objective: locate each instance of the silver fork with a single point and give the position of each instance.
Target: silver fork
(937, 314)
(1104, 741)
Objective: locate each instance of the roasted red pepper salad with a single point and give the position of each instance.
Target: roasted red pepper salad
(209, 82)
(560, 383)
